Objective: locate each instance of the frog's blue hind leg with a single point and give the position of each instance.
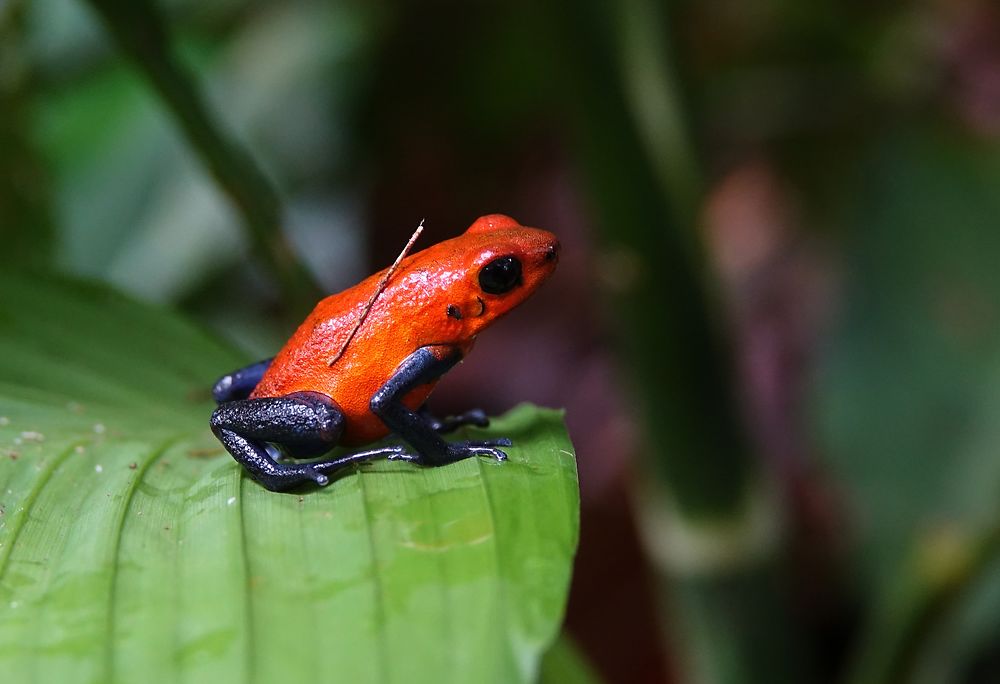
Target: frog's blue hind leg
(302, 424)
(302, 421)
(240, 383)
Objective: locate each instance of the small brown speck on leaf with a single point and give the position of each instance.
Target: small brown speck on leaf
(133, 466)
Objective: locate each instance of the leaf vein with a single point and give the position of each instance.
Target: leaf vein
(30, 503)
(248, 581)
(380, 614)
(501, 585)
(154, 456)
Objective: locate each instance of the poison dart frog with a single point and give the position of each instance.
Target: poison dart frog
(364, 361)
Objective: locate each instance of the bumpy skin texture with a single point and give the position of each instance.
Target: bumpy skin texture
(411, 313)
(346, 377)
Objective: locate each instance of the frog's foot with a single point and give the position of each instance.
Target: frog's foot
(475, 417)
(462, 450)
(282, 477)
(392, 453)
(459, 451)
(275, 452)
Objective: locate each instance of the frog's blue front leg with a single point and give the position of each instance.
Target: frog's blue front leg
(420, 368)
(240, 383)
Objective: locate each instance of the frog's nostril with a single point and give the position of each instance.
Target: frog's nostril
(552, 253)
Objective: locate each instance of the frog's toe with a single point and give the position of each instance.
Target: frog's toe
(316, 476)
(490, 448)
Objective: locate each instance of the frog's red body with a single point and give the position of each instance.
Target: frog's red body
(433, 300)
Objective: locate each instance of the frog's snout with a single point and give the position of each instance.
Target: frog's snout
(552, 252)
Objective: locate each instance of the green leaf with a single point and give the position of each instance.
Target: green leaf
(564, 664)
(132, 548)
(908, 401)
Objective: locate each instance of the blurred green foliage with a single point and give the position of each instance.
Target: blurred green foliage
(907, 403)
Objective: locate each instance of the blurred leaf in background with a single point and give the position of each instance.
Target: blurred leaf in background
(907, 397)
(26, 222)
(286, 74)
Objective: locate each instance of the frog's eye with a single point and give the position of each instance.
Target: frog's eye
(501, 275)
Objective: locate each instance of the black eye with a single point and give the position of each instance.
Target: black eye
(501, 275)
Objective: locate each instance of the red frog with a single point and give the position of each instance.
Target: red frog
(364, 361)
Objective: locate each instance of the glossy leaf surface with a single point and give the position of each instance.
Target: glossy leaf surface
(132, 548)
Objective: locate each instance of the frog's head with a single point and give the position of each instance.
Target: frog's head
(503, 264)
(449, 292)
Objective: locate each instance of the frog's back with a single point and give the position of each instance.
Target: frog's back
(303, 364)
(315, 358)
